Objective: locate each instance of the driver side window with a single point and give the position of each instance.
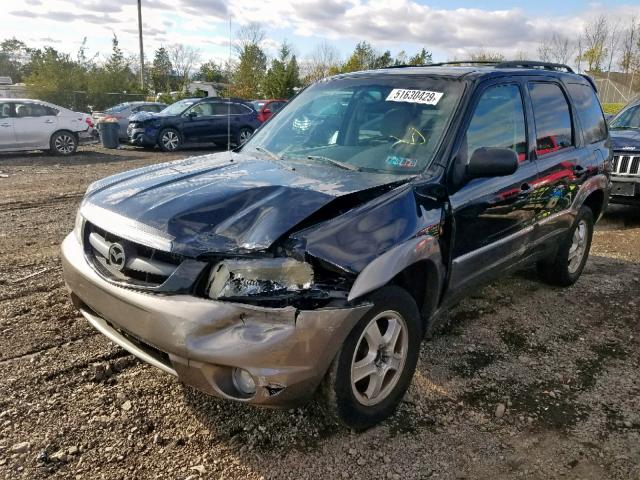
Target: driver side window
(498, 121)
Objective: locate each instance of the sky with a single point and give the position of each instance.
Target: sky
(448, 28)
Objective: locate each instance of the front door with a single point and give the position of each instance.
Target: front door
(493, 217)
(34, 124)
(7, 135)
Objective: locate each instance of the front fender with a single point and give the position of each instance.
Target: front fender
(424, 248)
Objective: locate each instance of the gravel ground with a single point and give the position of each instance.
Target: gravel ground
(523, 381)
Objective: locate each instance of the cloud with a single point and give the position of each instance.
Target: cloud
(202, 8)
(60, 16)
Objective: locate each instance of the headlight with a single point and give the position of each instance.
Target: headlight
(77, 228)
(243, 278)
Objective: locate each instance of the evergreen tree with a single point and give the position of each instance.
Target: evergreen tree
(424, 57)
(248, 76)
(283, 75)
(161, 71)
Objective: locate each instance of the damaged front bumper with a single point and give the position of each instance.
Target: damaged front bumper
(286, 351)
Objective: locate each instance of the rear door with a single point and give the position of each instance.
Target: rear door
(7, 134)
(494, 216)
(34, 124)
(561, 158)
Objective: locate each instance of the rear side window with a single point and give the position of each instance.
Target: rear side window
(589, 111)
(238, 109)
(498, 121)
(552, 117)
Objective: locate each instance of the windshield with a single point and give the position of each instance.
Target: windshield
(118, 108)
(629, 118)
(383, 123)
(178, 107)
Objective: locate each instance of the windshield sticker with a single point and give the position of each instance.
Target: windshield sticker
(401, 162)
(424, 97)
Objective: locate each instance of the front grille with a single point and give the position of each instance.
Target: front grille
(626, 164)
(138, 265)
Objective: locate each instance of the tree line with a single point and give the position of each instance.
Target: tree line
(603, 45)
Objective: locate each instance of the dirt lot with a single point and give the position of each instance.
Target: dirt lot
(561, 364)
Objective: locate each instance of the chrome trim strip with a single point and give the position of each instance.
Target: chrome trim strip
(491, 246)
(101, 325)
(127, 228)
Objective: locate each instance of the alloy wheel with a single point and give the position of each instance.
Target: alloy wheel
(64, 144)
(170, 140)
(578, 246)
(379, 358)
(245, 134)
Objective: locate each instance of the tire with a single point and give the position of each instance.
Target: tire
(243, 135)
(169, 140)
(566, 267)
(63, 143)
(356, 404)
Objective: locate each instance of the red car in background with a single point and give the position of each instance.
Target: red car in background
(266, 108)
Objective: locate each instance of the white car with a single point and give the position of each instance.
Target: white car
(37, 125)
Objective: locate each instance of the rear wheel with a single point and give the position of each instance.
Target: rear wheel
(243, 135)
(169, 140)
(63, 143)
(566, 267)
(374, 367)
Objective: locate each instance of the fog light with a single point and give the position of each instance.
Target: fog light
(243, 381)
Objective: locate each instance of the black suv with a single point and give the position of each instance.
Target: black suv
(195, 120)
(317, 256)
(625, 139)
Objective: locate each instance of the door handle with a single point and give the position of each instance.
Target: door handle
(5, 125)
(48, 121)
(525, 187)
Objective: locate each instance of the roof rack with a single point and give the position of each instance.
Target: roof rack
(509, 64)
(535, 64)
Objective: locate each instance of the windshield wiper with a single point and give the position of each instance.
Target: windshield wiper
(337, 163)
(268, 152)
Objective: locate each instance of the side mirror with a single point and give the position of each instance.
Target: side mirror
(192, 115)
(492, 162)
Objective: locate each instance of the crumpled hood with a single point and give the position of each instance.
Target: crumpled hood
(626, 140)
(142, 116)
(226, 202)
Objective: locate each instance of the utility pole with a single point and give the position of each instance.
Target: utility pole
(141, 47)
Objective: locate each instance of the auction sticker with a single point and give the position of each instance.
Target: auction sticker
(425, 97)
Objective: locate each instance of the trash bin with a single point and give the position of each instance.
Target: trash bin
(109, 134)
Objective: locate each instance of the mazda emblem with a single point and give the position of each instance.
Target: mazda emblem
(117, 257)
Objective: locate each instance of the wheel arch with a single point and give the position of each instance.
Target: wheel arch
(594, 193)
(415, 265)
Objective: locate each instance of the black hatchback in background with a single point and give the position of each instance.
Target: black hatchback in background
(219, 120)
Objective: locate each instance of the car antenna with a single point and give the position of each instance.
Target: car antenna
(229, 95)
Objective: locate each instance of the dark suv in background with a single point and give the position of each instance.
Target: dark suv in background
(195, 120)
(625, 138)
(317, 256)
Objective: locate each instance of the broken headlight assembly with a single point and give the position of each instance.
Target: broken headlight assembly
(241, 278)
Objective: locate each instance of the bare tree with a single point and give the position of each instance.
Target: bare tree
(183, 60)
(630, 48)
(544, 50)
(320, 62)
(251, 34)
(614, 40)
(596, 33)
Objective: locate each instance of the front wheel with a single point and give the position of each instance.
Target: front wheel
(63, 143)
(566, 267)
(169, 140)
(374, 367)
